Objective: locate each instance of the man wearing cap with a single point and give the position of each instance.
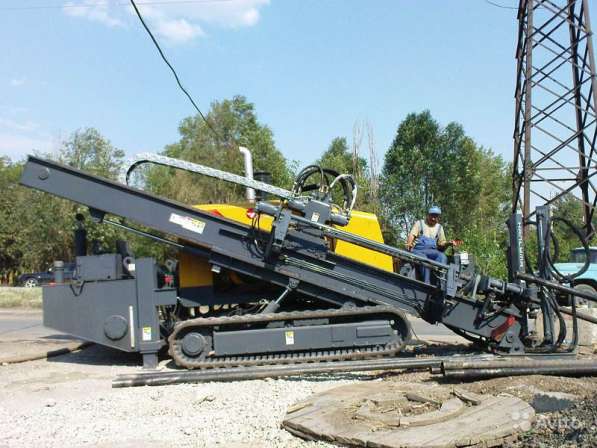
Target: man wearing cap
(427, 238)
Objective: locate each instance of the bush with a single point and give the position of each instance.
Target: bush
(20, 297)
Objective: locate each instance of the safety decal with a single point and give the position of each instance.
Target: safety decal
(146, 333)
(188, 223)
(289, 337)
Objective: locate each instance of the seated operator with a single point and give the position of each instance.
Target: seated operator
(427, 238)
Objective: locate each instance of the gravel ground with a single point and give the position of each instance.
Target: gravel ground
(573, 427)
(69, 402)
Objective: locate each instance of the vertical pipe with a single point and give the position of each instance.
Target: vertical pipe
(543, 224)
(58, 271)
(248, 171)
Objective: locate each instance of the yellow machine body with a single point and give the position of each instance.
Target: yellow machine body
(194, 271)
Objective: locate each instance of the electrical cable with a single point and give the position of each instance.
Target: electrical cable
(497, 5)
(157, 45)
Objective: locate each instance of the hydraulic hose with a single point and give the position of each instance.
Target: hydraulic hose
(568, 278)
(548, 261)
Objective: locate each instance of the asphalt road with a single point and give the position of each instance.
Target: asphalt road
(23, 324)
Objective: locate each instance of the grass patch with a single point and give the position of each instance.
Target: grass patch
(20, 297)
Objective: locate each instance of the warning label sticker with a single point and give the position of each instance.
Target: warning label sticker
(146, 333)
(289, 337)
(188, 223)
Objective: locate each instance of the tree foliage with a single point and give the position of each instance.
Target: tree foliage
(37, 228)
(426, 164)
(571, 209)
(11, 251)
(88, 150)
(341, 159)
(432, 165)
(236, 124)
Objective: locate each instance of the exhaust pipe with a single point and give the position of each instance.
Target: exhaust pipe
(248, 171)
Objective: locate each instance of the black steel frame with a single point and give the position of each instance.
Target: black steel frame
(556, 109)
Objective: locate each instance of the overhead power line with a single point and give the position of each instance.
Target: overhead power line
(155, 42)
(497, 5)
(108, 3)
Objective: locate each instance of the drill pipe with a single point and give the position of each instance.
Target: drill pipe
(248, 373)
(481, 370)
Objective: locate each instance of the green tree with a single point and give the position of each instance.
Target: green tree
(485, 234)
(236, 123)
(36, 228)
(340, 158)
(11, 251)
(87, 150)
(31, 231)
(427, 164)
(570, 208)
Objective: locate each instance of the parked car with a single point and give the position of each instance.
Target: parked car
(33, 279)
(588, 280)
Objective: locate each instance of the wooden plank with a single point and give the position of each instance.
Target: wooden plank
(337, 416)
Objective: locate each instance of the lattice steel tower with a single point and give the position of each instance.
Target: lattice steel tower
(555, 128)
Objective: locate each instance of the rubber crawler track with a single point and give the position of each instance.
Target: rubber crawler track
(344, 354)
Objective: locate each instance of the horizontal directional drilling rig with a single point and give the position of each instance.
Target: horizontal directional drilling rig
(297, 279)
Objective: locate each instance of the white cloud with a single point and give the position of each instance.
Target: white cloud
(178, 30)
(97, 12)
(17, 82)
(232, 13)
(175, 30)
(173, 20)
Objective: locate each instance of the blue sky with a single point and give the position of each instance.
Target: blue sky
(312, 68)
